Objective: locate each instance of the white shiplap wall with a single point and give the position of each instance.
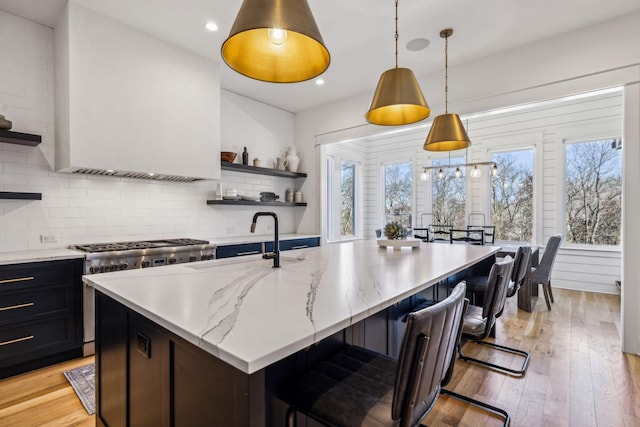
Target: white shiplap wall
(544, 128)
(83, 209)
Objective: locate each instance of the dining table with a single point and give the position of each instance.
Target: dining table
(527, 291)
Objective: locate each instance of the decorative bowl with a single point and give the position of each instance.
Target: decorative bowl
(228, 156)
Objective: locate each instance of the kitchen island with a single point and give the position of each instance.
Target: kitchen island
(208, 342)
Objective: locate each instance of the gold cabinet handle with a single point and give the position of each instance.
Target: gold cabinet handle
(13, 307)
(17, 340)
(19, 279)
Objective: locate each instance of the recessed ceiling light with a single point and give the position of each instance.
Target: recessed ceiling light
(211, 26)
(418, 44)
(319, 82)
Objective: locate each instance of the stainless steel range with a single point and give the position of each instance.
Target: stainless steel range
(107, 257)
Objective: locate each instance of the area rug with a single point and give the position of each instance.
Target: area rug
(83, 381)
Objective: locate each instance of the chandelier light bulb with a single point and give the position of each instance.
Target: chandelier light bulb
(458, 173)
(494, 170)
(475, 172)
(277, 35)
(424, 176)
(440, 173)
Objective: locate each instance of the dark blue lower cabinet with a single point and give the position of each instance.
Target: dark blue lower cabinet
(228, 251)
(287, 245)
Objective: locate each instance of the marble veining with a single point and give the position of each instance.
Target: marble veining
(251, 315)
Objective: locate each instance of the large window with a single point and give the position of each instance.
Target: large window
(398, 193)
(448, 193)
(512, 196)
(593, 191)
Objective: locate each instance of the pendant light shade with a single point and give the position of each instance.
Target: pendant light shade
(276, 41)
(447, 132)
(398, 99)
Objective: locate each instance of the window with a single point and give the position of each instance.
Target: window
(448, 193)
(398, 193)
(512, 196)
(593, 192)
(343, 183)
(347, 198)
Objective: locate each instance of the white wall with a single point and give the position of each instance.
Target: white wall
(83, 209)
(590, 58)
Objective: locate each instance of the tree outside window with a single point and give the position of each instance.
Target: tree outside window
(448, 193)
(398, 193)
(347, 198)
(593, 190)
(512, 196)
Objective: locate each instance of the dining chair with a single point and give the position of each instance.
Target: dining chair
(479, 321)
(358, 387)
(489, 232)
(469, 236)
(541, 275)
(440, 232)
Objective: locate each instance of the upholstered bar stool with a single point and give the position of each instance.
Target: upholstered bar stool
(358, 387)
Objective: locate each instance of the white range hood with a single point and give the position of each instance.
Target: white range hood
(128, 104)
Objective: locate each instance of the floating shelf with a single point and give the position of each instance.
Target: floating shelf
(251, 203)
(19, 138)
(260, 171)
(12, 195)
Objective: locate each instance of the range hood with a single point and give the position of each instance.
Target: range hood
(131, 105)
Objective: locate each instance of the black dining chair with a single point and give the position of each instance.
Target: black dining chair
(541, 275)
(479, 321)
(469, 236)
(359, 387)
(489, 232)
(440, 232)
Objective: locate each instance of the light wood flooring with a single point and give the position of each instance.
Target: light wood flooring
(577, 375)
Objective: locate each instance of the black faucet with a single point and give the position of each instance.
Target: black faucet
(275, 255)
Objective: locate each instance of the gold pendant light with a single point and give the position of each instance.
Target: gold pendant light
(447, 132)
(276, 41)
(398, 99)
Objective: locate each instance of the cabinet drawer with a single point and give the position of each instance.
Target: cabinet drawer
(31, 340)
(18, 276)
(227, 251)
(286, 245)
(27, 303)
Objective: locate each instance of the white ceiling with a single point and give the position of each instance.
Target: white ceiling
(358, 33)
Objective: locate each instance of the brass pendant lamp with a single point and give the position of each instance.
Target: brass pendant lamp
(276, 41)
(398, 99)
(447, 132)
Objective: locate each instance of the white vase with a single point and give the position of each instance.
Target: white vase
(292, 159)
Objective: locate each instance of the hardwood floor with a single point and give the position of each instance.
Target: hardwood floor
(577, 376)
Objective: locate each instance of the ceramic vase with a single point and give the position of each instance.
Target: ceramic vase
(292, 159)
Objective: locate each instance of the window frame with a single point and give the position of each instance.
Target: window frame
(383, 186)
(333, 211)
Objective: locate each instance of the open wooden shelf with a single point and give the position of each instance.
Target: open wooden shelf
(260, 171)
(251, 203)
(19, 138)
(13, 195)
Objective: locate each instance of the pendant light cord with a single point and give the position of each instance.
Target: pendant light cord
(396, 35)
(446, 75)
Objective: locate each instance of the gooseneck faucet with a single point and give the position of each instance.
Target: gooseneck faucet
(275, 255)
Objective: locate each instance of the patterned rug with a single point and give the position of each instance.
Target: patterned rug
(83, 381)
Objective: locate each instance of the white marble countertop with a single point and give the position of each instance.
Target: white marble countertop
(251, 315)
(20, 257)
(252, 238)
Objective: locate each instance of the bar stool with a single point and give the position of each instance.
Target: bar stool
(358, 387)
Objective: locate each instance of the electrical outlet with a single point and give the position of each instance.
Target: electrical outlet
(231, 229)
(48, 238)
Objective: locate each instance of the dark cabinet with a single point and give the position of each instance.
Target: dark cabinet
(40, 314)
(148, 376)
(227, 251)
